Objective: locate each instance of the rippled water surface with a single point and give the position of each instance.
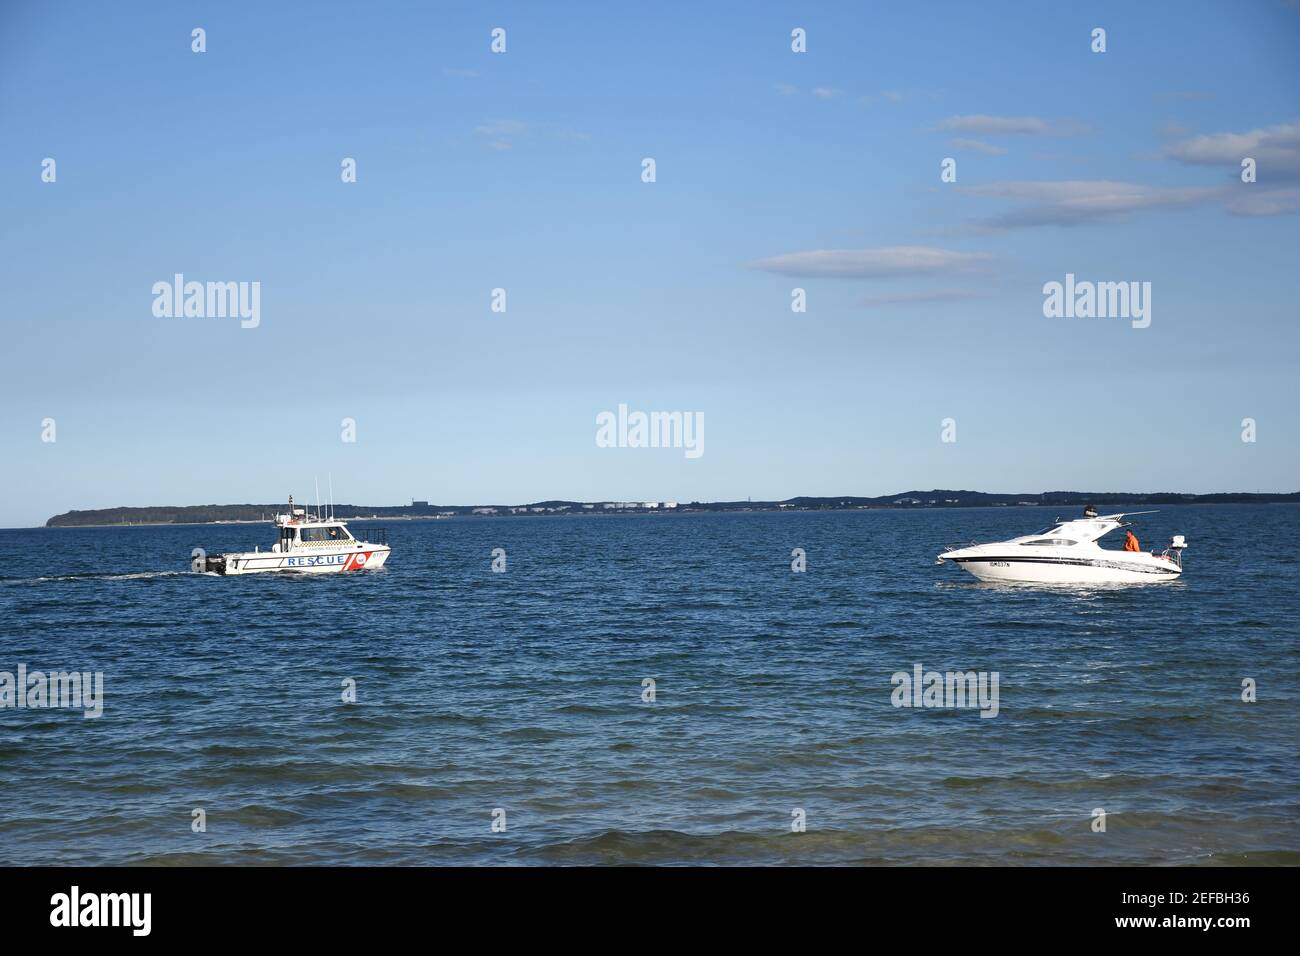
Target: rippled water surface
(523, 691)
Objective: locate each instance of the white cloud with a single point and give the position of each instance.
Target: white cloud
(502, 134)
(1185, 96)
(502, 127)
(1276, 150)
(1074, 202)
(981, 125)
(898, 97)
(920, 298)
(878, 263)
(1250, 201)
(1071, 202)
(976, 146)
(863, 99)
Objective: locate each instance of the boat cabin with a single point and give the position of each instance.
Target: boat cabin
(1068, 533)
(297, 530)
(1079, 531)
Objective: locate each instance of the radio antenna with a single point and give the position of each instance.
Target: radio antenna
(331, 496)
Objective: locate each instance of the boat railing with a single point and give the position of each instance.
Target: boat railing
(371, 535)
(956, 547)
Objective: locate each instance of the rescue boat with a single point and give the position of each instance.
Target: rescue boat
(308, 544)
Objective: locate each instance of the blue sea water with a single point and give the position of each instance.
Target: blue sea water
(485, 696)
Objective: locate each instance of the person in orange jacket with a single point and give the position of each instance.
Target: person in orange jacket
(1131, 542)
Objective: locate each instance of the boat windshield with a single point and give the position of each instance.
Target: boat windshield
(1053, 542)
(324, 535)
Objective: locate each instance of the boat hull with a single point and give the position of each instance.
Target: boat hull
(1137, 569)
(300, 561)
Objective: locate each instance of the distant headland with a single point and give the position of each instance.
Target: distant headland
(213, 514)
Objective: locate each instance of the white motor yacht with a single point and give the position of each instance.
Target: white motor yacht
(1068, 553)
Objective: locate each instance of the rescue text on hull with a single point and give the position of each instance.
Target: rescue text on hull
(1068, 553)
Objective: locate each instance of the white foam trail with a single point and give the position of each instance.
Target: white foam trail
(135, 576)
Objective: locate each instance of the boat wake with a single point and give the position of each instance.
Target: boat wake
(135, 576)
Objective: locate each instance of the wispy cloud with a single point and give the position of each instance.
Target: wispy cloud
(1076, 202)
(1172, 128)
(898, 97)
(981, 125)
(825, 92)
(1250, 201)
(460, 74)
(976, 146)
(502, 127)
(1071, 202)
(879, 263)
(919, 298)
(1183, 96)
(502, 134)
(1276, 149)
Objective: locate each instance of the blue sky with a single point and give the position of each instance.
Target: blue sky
(522, 171)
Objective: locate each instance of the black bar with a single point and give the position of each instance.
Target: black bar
(941, 905)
